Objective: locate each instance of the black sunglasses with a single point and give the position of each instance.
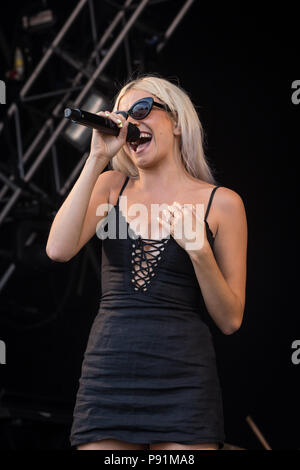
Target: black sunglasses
(141, 108)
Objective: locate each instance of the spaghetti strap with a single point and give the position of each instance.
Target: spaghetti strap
(210, 201)
(123, 187)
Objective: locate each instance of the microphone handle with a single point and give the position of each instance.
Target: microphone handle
(104, 125)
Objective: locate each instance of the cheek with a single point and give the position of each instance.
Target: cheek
(164, 139)
(164, 134)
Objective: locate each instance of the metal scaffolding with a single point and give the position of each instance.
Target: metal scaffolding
(14, 184)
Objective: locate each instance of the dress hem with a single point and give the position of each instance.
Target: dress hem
(97, 437)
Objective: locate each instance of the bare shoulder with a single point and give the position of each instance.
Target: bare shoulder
(112, 177)
(227, 207)
(112, 180)
(229, 212)
(109, 181)
(228, 201)
(224, 199)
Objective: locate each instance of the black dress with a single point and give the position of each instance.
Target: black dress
(149, 372)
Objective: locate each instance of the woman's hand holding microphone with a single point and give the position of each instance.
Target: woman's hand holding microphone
(104, 146)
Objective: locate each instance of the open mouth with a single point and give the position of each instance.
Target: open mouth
(142, 143)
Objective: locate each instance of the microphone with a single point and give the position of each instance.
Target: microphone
(104, 125)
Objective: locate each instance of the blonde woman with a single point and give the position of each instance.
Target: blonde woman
(149, 378)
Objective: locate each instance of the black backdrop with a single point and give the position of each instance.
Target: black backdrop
(238, 66)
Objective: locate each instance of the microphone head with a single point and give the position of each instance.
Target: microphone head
(72, 114)
(133, 133)
(68, 112)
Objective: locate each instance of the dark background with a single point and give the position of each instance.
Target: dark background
(238, 64)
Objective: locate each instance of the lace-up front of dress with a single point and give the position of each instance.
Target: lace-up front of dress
(146, 254)
(149, 372)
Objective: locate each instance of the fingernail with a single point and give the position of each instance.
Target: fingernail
(106, 113)
(120, 123)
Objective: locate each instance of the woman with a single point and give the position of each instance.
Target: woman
(149, 378)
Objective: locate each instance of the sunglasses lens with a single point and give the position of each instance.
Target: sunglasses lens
(140, 110)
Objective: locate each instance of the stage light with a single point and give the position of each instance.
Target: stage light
(41, 20)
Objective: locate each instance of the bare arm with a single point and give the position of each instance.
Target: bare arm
(222, 274)
(66, 231)
(75, 222)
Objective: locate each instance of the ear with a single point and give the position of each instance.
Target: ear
(176, 129)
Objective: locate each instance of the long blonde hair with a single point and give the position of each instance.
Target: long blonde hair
(192, 134)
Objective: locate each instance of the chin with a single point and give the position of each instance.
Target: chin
(143, 157)
(144, 163)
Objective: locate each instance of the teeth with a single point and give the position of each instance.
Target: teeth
(145, 134)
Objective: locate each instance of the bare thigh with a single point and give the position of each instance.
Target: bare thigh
(177, 446)
(111, 444)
